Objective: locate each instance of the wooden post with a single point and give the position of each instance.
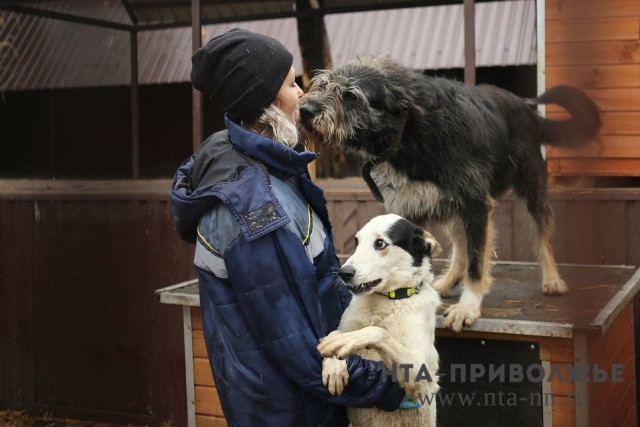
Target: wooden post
(52, 135)
(316, 55)
(135, 110)
(312, 38)
(196, 95)
(469, 42)
(541, 62)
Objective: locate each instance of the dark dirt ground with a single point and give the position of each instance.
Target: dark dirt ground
(22, 419)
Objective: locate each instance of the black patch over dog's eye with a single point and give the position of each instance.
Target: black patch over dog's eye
(380, 244)
(356, 239)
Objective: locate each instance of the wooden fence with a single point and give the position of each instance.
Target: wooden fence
(82, 334)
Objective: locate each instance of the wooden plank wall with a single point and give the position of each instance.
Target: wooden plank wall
(598, 226)
(595, 45)
(208, 409)
(614, 404)
(82, 334)
(64, 133)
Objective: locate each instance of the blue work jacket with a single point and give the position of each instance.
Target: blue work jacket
(269, 288)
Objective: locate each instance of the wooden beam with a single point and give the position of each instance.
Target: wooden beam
(213, 21)
(168, 4)
(132, 14)
(52, 134)
(312, 39)
(323, 10)
(135, 110)
(469, 42)
(373, 5)
(316, 55)
(196, 95)
(378, 5)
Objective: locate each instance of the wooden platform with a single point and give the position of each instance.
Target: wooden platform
(516, 304)
(592, 324)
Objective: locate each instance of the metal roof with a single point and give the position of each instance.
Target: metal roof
(157, 14)
(433, 37)
(37, 52)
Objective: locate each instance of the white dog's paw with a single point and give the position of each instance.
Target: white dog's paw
(332, 334)
(460, 315)
(555, 287)
(347, 343)
(335, 375)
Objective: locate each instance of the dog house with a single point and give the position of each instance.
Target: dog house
(531, 359)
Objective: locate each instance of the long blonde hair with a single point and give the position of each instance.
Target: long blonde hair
(275, 124)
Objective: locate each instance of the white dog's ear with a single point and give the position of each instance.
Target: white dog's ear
(436, 249)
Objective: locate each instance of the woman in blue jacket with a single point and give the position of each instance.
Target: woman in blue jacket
(264, 253)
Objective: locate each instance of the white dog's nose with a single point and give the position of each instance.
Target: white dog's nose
(346, 273)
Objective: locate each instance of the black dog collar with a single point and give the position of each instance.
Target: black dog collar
(401, 293)
(366, 175)
(366, 168)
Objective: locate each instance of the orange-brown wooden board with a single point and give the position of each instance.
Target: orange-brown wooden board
(600, 76)
(607, 399)
(606, 147)
(607, 99)
(571, 9)
(592, 29)
(207, 401)
(620, 123)
(594, 167)
(563, 411)
(210, 421)
(562, 386)
(202, 373)
(196, 318)
(613, 123)
(199, 347)
(593, 52)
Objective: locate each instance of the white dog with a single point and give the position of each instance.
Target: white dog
(391, 318)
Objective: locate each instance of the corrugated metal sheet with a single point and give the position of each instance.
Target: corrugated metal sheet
(170, 12)
(433, 37)
(165, 55)
(37, 53)
(40, 53)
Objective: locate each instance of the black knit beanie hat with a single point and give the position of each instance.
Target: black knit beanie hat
(242, 71)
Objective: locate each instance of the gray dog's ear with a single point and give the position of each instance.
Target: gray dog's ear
(436, 249)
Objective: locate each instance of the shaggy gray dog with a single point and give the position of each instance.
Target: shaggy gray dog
(436, 149)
